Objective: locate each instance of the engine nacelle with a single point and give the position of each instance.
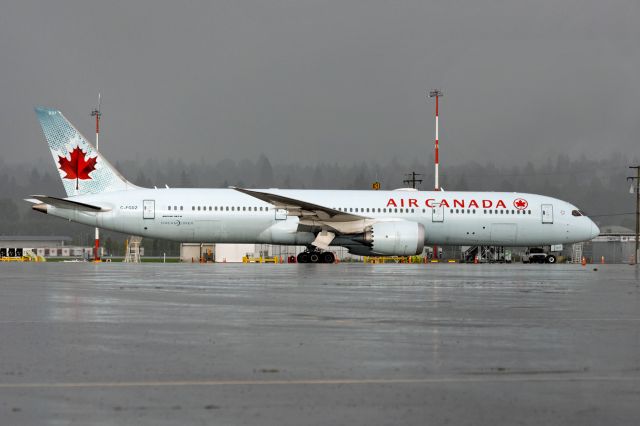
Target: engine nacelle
(401, 238)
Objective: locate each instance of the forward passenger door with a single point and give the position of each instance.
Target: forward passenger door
(547, 213)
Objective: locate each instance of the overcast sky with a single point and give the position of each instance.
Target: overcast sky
(325, 81)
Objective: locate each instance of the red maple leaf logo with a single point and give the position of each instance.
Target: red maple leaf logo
(520, 204)
(78, 167)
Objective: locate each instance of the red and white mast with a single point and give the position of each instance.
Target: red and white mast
(436, 94)
(97, 114)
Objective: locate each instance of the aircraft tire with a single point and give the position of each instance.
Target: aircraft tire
(303, 257)
(551, 259)
(328, 257)
(314, 257)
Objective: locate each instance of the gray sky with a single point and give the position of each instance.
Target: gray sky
(310, 81)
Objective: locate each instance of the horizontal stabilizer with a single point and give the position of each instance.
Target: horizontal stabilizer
(63, 203)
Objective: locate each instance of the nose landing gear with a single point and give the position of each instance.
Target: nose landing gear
(316, 256)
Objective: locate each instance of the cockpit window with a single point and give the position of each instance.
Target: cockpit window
(577, 213)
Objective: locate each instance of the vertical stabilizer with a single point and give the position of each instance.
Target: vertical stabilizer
(83, 170)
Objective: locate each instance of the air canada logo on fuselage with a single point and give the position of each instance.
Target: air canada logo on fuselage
(448, 203)
(520, 203)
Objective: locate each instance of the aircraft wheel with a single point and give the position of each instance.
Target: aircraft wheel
(551, 259)
(303, 257)
(314, 257)
(328, 257)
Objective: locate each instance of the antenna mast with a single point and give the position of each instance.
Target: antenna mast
(436, 94)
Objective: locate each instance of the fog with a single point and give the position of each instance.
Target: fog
(341, 82)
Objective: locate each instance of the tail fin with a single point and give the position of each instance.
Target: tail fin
(83, 170)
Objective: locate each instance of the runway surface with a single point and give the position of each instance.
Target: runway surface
(227, 344)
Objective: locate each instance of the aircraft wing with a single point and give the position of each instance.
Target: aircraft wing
(65, 203)
(304, 209)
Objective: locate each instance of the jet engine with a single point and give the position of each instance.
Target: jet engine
(400, 238)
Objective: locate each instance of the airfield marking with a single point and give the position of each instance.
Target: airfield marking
(180, 383)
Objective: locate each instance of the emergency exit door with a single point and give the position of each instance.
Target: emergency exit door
(437, 214)
(148, 209)
(547, 213)
(281, 214)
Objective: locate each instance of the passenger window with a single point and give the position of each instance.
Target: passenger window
(180, 207)
(169, 208)
(193, 207)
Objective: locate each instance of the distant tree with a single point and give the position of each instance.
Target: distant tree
(265, 172)
(185, 182)
(9, 216)
(142, 180)
(462, 184)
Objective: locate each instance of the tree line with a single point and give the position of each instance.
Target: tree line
(598, 186)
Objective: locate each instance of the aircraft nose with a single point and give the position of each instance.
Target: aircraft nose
(595, 231)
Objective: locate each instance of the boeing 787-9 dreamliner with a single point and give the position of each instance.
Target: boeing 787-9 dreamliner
(372, 223)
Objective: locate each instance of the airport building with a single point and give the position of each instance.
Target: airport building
(41, 245)
(615, 244)
(235, 253)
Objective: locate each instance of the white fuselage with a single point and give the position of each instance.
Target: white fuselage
(229, 216)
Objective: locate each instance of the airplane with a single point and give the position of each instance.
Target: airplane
(372, 223)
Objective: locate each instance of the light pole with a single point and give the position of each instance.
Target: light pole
(97, 114)
(637, 182)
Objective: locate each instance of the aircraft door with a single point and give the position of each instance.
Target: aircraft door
(547, 213)
(437, 214)
(281, 214)
(148, 209)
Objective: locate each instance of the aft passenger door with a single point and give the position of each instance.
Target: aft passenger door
(547, 213)
(148, 209)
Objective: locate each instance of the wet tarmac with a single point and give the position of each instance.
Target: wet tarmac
(227, 344)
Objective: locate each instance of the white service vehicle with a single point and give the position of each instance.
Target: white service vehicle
(538, 255)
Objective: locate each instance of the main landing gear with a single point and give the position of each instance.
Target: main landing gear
(316, 256)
